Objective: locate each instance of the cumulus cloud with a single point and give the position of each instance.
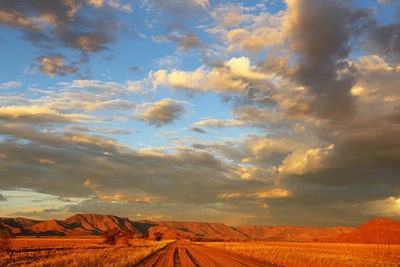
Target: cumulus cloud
(60, 23)
(301, 162)
(186, 42)
(264, 33)
(385, 41)
(33, 18)
(229, 15)
(54, 66)
(162, 112)
(246, 32)
(235, 76)
(324, 121)
(321, 39)
(91, 165)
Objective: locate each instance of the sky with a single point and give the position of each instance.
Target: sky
(261, 112)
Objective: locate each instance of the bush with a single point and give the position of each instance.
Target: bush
(126, 236)
(111, 235)
(5, 239)
(158, 236)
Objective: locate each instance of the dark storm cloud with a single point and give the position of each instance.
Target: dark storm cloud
(77, 165)
(385, 41)
(320, 32)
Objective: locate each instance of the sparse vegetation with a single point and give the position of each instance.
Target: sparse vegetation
(158, 236)
(5, 239)
(314, 254)
(126, 236)
(74, 252)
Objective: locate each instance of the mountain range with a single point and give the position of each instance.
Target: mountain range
(377, 230)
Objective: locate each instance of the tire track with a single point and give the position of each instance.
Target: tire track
(193, 259)
(177, 262)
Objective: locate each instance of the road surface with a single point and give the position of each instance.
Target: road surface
(187, 254)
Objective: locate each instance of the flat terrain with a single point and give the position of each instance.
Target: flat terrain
(187, 254)
(74, 252)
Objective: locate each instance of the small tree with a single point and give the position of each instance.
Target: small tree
(111, 235)
(5, 239)
(126, 236)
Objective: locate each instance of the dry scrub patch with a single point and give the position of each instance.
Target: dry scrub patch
(71, 252)
(316, 254)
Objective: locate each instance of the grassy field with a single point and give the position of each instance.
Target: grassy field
(60, 252)
(292, 254)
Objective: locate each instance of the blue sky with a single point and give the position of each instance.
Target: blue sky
(242, 112)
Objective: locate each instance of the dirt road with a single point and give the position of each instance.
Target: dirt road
(187, 254)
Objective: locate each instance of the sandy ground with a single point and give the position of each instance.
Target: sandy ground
(187, 254)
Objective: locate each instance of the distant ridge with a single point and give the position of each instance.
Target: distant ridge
(94, 224)
(293, 233)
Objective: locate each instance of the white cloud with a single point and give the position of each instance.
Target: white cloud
(117, 5)
(10, 85)
(301, 162)
(235, 77)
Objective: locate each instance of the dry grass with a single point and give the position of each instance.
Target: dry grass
(70, 252)
(316, 254)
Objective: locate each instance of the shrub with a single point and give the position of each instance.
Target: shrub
(111, 235)
(126, 236)
(158, 236)
(5, 239)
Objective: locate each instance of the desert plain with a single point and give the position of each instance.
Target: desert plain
(78, 241)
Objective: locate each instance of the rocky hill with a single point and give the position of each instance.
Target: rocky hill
(17, 225)
(377, 230)
(94, 224)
